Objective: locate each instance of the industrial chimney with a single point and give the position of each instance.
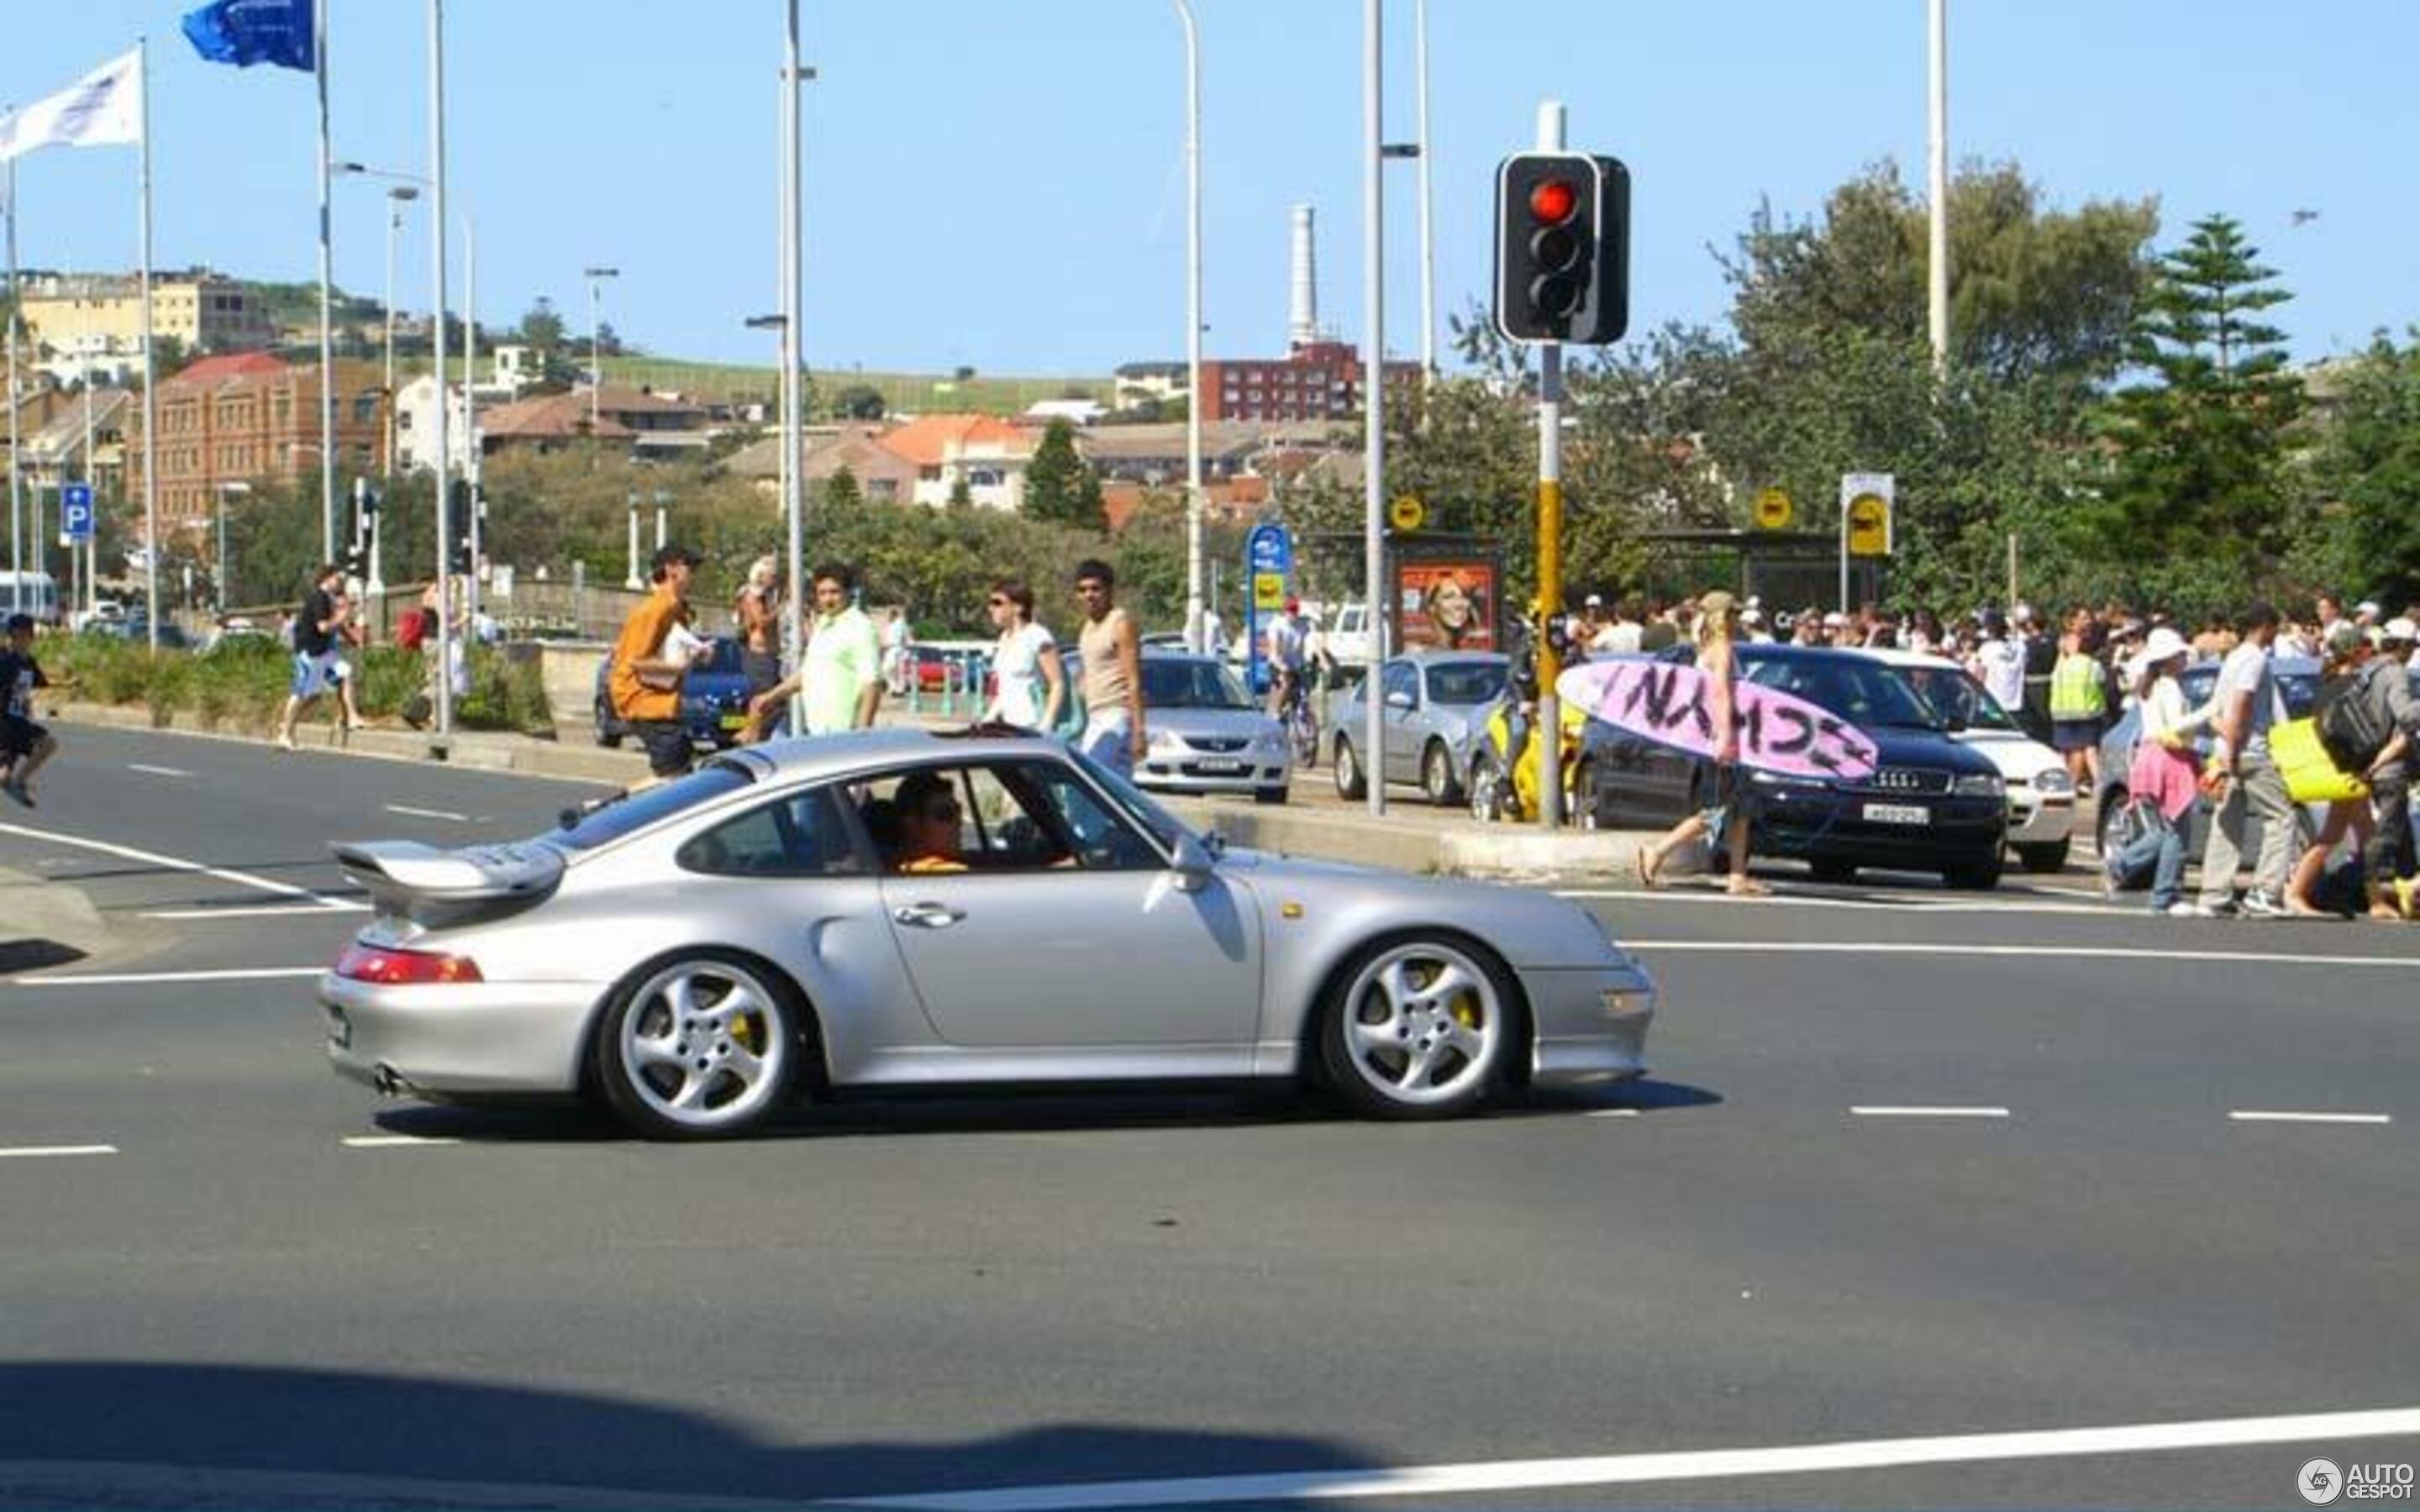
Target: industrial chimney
(1302, 328)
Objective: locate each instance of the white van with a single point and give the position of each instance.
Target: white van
(30, 592)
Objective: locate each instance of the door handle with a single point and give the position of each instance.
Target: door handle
(927, 916)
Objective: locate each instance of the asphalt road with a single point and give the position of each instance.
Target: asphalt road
(1913, 1166)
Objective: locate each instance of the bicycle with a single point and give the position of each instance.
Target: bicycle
(1299, 720)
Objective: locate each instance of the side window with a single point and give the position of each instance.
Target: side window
(797, 836)
(1016, 817)
(1403, 678)
(1101, 839)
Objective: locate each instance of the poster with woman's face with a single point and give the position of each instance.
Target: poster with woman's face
(1447, 606)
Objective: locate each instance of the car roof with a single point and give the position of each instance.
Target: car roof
(813, 756)
(1890, 658)
(1775, 651)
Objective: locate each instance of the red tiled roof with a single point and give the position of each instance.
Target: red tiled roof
(230, 366)
(926, 440)
(549, 415)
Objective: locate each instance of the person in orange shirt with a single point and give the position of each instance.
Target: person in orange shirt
(929, 824)
(644, 682)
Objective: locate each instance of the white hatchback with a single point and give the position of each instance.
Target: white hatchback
(2042, 795)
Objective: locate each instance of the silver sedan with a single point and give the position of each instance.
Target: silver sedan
(902, 908)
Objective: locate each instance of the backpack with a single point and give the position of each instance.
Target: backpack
(2353, 726)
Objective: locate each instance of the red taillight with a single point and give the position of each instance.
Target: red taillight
(404, 968)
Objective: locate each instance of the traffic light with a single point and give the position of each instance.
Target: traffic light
(457, 522)
(1562, 248)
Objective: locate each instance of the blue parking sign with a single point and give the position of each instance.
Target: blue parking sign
(75, 511)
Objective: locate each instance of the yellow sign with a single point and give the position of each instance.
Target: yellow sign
(1869, 526)
(1407, 512)
(1268, 592)
(1773, 509)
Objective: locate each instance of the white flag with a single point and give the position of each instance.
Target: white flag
(102, 108)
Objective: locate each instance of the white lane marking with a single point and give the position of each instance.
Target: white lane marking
(427, 813)
(283, 890)
(2078, 952)
(1612, 1112)
(2257, 1116)
(126, 979)
(1904, 905)
(1922, 1111)
(326, 905)
(158, 771)
(37, 1151)
(394, 1141)
(1704, 1464)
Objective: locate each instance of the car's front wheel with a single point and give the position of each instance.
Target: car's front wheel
(701, 1047)
(2046, 857)
(1980, 874)
(1350, 784)
(1489, 804)
(1419, 1027)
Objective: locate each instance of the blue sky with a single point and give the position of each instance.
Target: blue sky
(1001, 183)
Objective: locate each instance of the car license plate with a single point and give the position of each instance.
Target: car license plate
(1897, 813)
(735, 722)
(1222, 769)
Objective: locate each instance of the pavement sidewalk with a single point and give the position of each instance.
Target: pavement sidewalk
(1413, 835)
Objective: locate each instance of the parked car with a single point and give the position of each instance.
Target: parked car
(700, 953)
(1931, 805)
(2042, 794)
(714, 700)
(1206, 733)
(1435, 713)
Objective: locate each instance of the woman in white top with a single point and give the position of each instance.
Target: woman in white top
(1032, 687)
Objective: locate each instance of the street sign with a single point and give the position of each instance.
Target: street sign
(1268, 592)
(1268, 549)
(76, 512)
(1268, 565)
(1866, 500)
(1407, 512)
(1774, 511)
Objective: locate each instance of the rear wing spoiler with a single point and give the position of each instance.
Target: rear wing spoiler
(408, 879)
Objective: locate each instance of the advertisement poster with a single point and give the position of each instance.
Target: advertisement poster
(1447, 605)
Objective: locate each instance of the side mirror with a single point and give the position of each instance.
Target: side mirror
(1401, 700)
(1193, 864)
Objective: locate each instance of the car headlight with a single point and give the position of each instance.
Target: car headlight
(1980, 785)
(1271, 743)
(1163, 740)
(2054, 780)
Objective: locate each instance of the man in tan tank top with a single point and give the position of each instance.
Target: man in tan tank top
(1113, 728)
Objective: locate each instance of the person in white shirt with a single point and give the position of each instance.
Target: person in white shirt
(1030, 685)
(2000, 663)
(893, 638)
(1287, 646)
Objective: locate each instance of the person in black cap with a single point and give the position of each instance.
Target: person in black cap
(644, 682)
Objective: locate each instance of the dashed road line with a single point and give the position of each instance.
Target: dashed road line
(243, 879)
(1497, 1476)
(157, 771)
(1925, 1111)
(2037, 952)
(395, 1141)
(130, 979)
(428, 813)
(319, 910)
(45, 1151)
(2260, 1116)
(1612, 1112)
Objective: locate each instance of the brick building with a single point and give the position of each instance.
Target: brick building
(236, 421)
(1318, 381)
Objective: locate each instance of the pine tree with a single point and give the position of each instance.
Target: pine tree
(1059, 487)
(841, 489)
(2197, 499)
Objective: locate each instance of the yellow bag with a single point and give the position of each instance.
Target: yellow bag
(2311, 774)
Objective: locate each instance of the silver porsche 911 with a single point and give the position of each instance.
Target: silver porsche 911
(904, 908)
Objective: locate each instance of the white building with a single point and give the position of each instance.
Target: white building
(415, 425)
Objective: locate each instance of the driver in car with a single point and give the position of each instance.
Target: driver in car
(929, 818)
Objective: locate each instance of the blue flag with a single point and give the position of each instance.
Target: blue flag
(245, 32)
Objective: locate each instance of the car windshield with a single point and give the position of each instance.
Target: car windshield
(1171, 684)
(1863, 693)
(613, 818)
(1162, 825)
(1465, 682)
(1960, 701)
(726, 656)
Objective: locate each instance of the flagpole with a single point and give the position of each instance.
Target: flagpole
(794, 305)
(445, 513)
(150, 385)
(327, 319)
(16, 479)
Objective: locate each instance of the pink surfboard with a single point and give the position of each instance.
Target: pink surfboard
(1670, 703)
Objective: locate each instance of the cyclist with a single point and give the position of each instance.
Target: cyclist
(1288, 644)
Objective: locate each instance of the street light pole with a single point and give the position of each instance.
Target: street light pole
(1428, 247)
(397, 196)
(1939, 240)
(793, 302)
(1374, 395)
(634, 581)
(596, 277)
(437, 367)
(1193, 500)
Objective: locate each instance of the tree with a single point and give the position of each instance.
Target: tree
(961, 497)
(541, 327)
(2365, 472)
(2197, 492)
(841, 490)
(1059, 486)
(858, 401)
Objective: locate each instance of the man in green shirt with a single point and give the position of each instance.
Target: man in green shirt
(841, 671)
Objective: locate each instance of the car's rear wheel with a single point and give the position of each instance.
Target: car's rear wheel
(1419, 1027)
(703, 1046)
(1350, 784)
(1585, 797)
(1437, 776)
(1488, 802)
(2048, 857)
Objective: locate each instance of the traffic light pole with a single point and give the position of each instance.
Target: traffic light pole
(1547, 737)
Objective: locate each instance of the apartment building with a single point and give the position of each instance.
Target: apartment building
(96, 320)
(1317, 381)
(238, 420)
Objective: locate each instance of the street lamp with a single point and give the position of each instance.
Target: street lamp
(596, 277)
(634, 581)
(397, 196)
(1194, 637)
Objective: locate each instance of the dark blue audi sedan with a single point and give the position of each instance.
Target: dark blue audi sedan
(1931, 804)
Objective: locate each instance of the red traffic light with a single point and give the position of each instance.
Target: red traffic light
(1553, 201)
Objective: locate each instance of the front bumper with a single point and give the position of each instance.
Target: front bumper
(470, 1036)
(1819, 824)
(1590, 1023)
(1244, 771)
(2040, 819)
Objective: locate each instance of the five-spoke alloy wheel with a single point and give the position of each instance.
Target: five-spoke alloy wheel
(1420, 1029)
(703, 1046)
